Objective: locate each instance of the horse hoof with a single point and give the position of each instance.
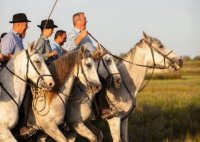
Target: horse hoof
(27, 131)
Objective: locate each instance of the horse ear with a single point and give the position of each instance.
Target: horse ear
(31, 48)
(83, 48)
(98, 47)
(82, 51)
(146, 37)
(97, 53)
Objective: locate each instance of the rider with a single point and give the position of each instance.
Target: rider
(43, 45)
(59, 39)
(78, 37)
(12, 41)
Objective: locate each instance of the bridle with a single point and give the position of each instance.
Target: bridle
(83, 72)
(36, 91)
(30, 84)
(109, 78)
(165, 56)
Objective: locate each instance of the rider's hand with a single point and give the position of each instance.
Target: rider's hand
(53, 53)
(83, 33)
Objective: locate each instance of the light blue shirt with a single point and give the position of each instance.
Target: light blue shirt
(70, 45)
(57, 47)
(11, 43)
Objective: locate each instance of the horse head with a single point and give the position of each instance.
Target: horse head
(106, 67)
(36, 69)
(87, 72)
(158, 55)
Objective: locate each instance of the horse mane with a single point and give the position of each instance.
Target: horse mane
(99, 52)
(63, 66)
(132, 51)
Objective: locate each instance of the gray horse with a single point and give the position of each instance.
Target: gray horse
(27, 64)
(148, 53)
(79, 107)
(49, 107)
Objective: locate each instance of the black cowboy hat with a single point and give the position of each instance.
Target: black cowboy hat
(19, 17)
(49, 24)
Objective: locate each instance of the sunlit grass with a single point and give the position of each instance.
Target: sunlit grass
(167, 110)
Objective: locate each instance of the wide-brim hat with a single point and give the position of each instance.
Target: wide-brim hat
(19, 17)
(49, 24)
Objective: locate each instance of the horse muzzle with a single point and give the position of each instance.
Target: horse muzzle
(94, 87)
(117, 80)
(46, 84)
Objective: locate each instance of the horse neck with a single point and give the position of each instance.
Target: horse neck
(133, 75)
(67, 87)
(12, 83)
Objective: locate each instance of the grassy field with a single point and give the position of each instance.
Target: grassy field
(168, 109)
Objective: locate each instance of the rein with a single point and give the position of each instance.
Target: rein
(154, 66)
(37, 92)
(40, 76)
(110, 75)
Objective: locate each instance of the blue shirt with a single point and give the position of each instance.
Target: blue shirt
(70, 45)
(57, 47)
(11, 43)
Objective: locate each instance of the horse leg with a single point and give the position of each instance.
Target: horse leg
(71, 136)
(114, 124)
(85, 132)
(124, 130)
(6, 135)
(53, 131)
(42, 138)
(95, 130)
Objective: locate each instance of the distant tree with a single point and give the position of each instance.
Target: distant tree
(197, 58)
(186, 58)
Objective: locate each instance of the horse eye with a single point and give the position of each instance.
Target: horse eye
(108, 61)
(89, 65)
(37, 61)
(161, 46)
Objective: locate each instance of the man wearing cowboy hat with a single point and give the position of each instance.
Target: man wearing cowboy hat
(12, 41)
(43, 45)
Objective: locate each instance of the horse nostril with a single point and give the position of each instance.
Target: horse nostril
(51, 84)
(118, 80)
(98, 87)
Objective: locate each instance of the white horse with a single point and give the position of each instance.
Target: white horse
(79, 106)
(148, 53)
(49, 107)
(27, 64)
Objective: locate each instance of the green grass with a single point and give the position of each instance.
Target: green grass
(167, 110)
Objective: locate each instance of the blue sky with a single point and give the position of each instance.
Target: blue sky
(117, 24)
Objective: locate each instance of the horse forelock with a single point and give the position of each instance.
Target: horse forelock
(98, 54)
(63, 66)
(87, 54)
